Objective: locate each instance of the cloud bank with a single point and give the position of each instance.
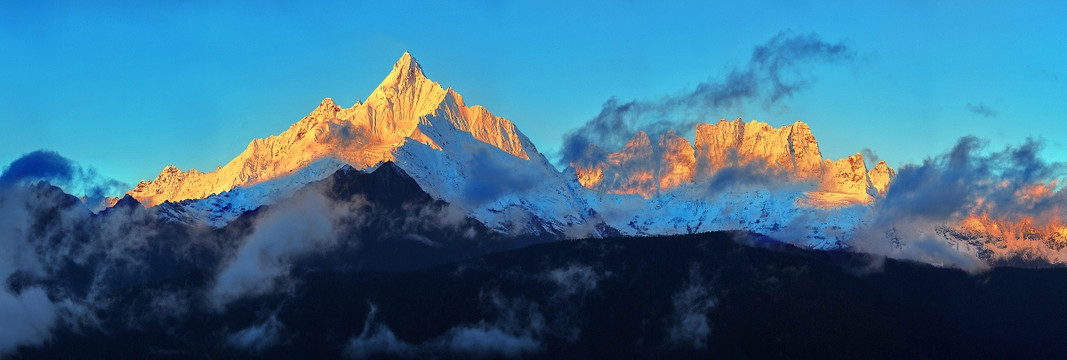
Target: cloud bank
(984, 194)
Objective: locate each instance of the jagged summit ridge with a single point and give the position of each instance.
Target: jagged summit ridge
(406, 72)
(648, 168)
(405, 107)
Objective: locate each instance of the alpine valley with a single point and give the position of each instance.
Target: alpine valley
(414, 225)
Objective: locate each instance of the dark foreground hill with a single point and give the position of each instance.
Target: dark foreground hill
(710, 295)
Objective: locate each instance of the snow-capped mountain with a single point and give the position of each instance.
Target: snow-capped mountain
(467, 156)
(459, 153)
(363, 135)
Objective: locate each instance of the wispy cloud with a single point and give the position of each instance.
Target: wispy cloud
(515, 331)
(304, 224)
(981, 108)
(776, 70)
(257, 337)
(870, 155)
(377, 339)
(688, 325)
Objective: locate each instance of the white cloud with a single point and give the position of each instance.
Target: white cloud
(303, 224)
(28, 318)
(258, 337)
(377, 339)
(687, 325)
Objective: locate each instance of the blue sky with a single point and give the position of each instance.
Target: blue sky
(129, 87)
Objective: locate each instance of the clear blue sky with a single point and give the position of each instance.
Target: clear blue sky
(130, 87)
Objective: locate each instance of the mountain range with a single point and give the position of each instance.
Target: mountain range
(733, 175)
(412, 225)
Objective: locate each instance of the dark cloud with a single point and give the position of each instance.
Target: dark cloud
(36, 166)
(870, 155)
(951, 185)
(1011, 186)
(775, 71)
(982, 109)
(784, 52)
(49, 166)
(493, 175)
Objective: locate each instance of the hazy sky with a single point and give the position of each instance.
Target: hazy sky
(131, 87)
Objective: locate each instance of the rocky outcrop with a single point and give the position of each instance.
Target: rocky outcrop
(791, 148)
(806, 155)
(847, 176)
(881, 176)
(717, 146)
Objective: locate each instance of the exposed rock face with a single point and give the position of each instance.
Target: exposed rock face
(847, 175)
(881, 176)
(362, 136)
(677, 159)
(806, 155)
(717, 145)
(646, 168)
(731, 143)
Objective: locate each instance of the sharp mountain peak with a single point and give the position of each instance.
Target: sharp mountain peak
(406, 107)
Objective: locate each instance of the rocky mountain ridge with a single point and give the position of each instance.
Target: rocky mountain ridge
(649, 168)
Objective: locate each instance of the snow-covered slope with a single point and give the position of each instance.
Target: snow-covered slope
(778, 211)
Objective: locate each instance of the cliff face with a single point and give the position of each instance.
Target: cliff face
(678, 161)
(791, 148)
(880, 177)
(847, 176)
(648, 168)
